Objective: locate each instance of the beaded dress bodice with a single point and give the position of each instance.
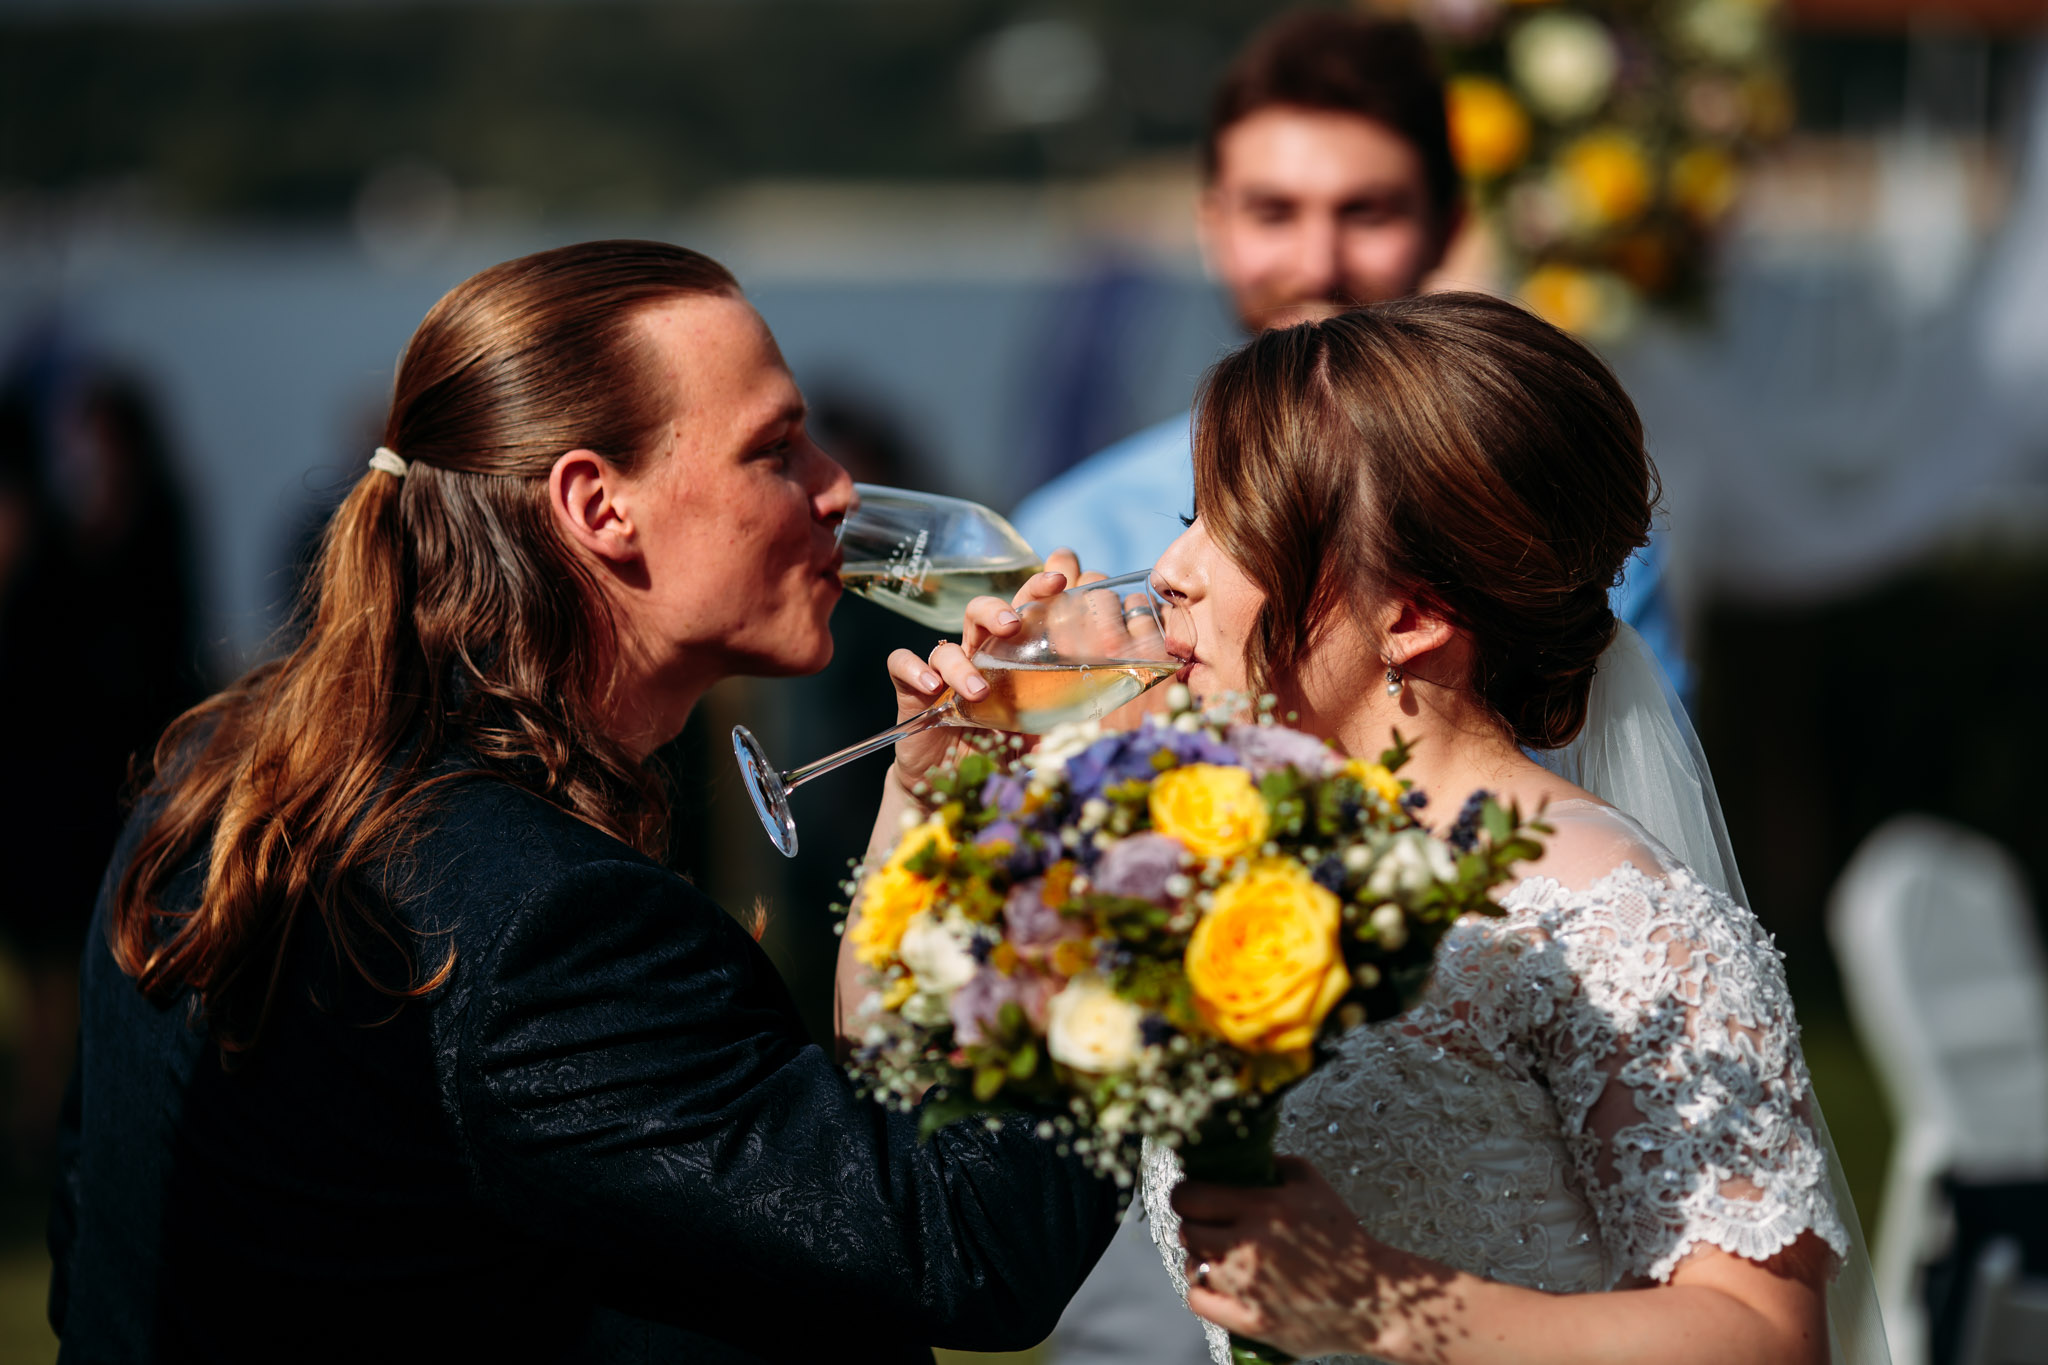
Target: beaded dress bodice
(1593, 1084)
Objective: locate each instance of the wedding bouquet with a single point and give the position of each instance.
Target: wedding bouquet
(1144, 934)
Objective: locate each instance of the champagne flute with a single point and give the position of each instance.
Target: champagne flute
(926, 556)
(1079, 655)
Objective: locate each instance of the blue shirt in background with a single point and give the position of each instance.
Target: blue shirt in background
(1121, 507)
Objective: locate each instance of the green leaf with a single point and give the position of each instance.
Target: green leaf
(975, 769)
(1024, 1061)
(1498, 826)
(988, 1081)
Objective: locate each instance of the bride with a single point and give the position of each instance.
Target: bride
(1594, 1138)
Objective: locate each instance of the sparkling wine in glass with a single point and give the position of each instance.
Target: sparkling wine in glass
(926, 556)
(1080, 655)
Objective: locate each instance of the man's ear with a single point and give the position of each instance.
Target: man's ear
(586, 494)
(1410, 630)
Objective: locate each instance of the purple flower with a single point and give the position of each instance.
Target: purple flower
(1199, 747)
(1269, 748)
(1130, 757)
(1138, 867)
(1004, 792)
(1104, 764)
(975, 1005)
(1030, 922)
(1035, 991)
(1000, 832)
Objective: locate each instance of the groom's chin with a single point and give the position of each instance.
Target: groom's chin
(795, 662)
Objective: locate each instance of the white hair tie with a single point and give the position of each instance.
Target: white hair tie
(387, 460)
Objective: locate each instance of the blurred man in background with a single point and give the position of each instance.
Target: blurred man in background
(1329, 183)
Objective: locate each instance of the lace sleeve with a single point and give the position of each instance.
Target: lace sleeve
(1667, 1036)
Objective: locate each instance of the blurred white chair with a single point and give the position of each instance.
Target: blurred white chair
(1944, 978)
(2008, 1317)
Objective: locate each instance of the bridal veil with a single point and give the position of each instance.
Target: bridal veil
(1638, 753)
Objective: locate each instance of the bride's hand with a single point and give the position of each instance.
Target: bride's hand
(921, 683)
(1289, 1265)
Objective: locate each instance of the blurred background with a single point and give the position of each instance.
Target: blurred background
(970, 224)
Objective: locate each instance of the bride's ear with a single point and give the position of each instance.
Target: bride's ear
(1409, 630)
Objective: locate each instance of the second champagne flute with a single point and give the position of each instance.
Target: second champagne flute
(926, 556)
(1079, 655)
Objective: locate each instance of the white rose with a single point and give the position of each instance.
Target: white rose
(1411, 862)
(1564, 62)
(1442, 865)
(936, 956)
(1402, 867)
(1091, 1028)
(1391, 925)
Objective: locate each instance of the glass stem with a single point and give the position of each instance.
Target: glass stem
(929, 718)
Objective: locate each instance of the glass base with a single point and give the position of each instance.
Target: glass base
(764, 785)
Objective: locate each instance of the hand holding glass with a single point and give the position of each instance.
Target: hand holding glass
(1077, 655)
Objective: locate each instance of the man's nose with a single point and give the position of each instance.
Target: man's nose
(1317, 264)
(835, 496)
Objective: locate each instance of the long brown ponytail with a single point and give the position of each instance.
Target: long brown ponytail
(445, 610)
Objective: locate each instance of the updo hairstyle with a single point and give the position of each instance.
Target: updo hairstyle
(1451, 448)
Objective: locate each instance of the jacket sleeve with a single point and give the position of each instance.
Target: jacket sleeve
(631, 1079)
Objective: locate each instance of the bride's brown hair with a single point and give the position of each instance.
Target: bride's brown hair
(445, 610)
(1453, 448)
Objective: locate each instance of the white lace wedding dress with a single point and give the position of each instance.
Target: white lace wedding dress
(1594, 1084)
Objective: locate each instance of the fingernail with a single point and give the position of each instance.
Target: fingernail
(1006, 617)
(929, 681)
(975, 687)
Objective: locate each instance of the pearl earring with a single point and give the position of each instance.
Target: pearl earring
(1394, 682)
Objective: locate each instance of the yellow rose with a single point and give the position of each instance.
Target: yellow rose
(1376, 778)
(1214, 811)
(1489, 131)
(895, 895)
(933, 833)
(1265, 964)
(1607, 178)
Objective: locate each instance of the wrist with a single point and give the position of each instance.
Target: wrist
(1398, 1285)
